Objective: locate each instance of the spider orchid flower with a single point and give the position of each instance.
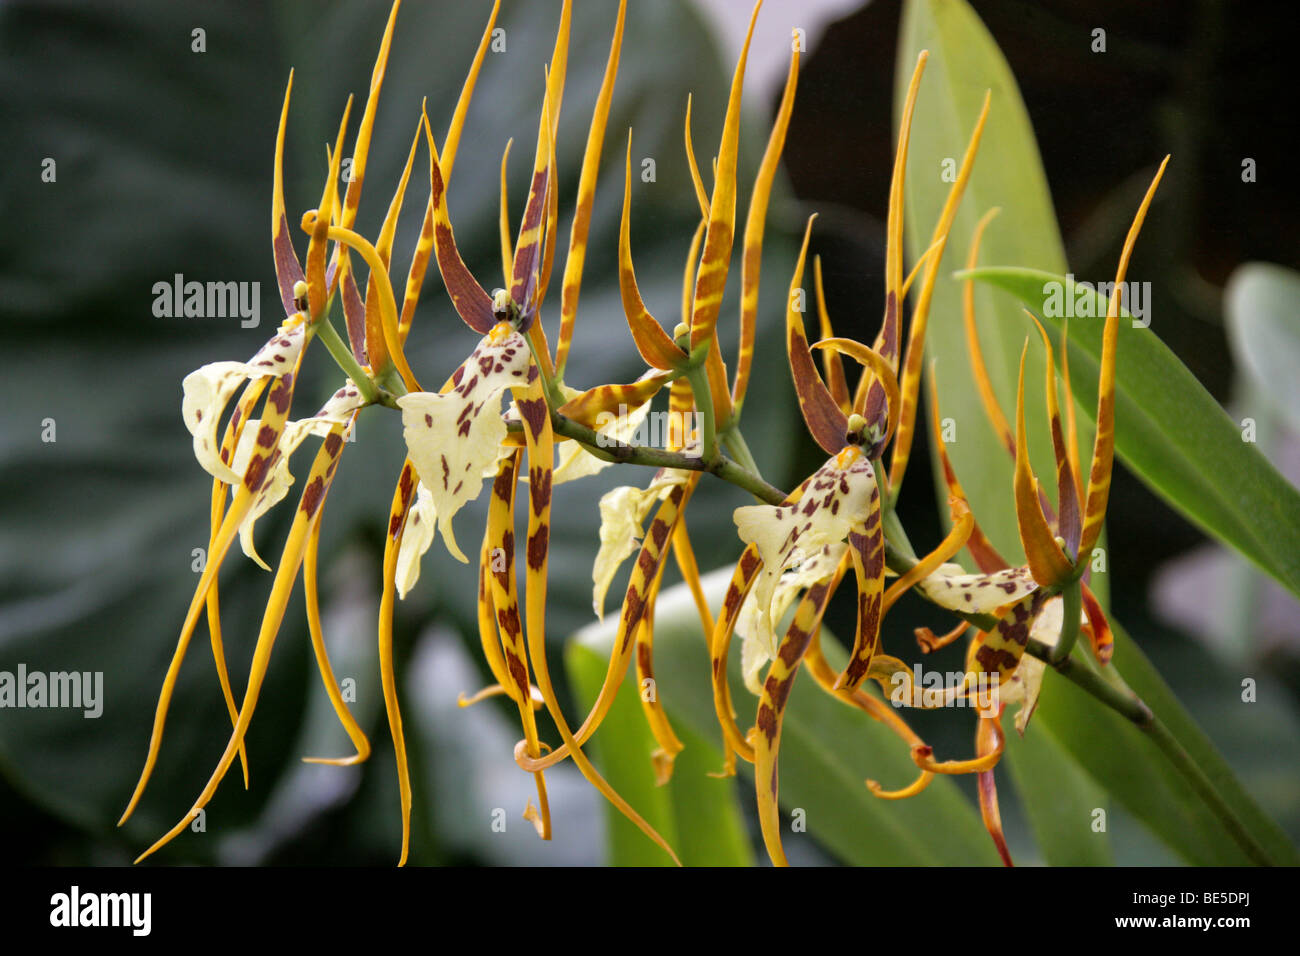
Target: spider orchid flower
(834, 520)
(458, 437)
(251, 459)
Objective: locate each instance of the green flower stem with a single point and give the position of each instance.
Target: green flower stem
(607, 449)
(699, 379)
(734, 442)
(1072, 598)
(345, 359)
(1109, 690)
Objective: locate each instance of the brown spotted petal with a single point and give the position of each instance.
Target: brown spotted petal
(208, 390)
(952, 588)
(453, 438)
(755, 649)
(256, 439)
(838, 500)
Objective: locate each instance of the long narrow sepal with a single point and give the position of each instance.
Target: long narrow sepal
(828, 425)
(751, 260)
(472, 304)
(1103, 448)
(651, 340)
(537, 429)
(1046, 559)
(716, 262)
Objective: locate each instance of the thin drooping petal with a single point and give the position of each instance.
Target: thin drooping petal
(771, 709)
(637, 602)
(278, 403)
(669, 745)
(505, 599)
(712, 277)
(537, 429)
(397, 517)
(1103, 448)
(981, 549)
(963, 522)
(322, 473)
(742, 580)
(751, 260)
(454, 437)
(988, 740)
(235, 428)
(828, 425)
(350, 725)
(651, 340)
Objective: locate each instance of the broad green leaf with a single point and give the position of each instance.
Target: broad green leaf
(1057, 796)
(1264, 331)
(698, 815)
(1171, 432)
(827, 752)
(1125, 761)
(964, 62)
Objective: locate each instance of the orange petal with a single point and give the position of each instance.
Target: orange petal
(751, 260)
(1103, 449)
(581, 228)
(1046, 559)
(652, 341)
